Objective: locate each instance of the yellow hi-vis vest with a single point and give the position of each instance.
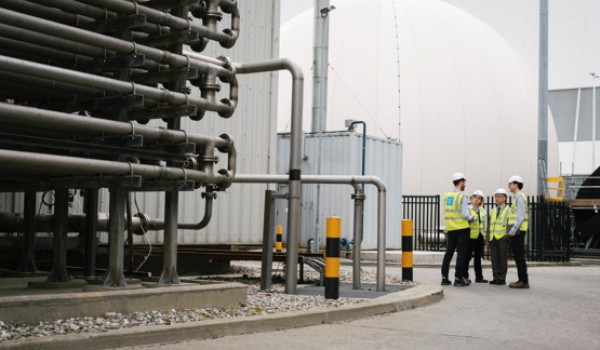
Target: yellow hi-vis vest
(498, 223)
(452, 211)
(512, 214)
(478, 225)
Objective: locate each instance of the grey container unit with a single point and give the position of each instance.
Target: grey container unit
(341, 154)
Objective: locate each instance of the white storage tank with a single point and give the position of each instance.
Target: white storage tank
(450, 88)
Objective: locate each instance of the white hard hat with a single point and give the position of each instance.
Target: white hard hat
(501, 191)
(478, 193)
(458, 176)
(515, 178)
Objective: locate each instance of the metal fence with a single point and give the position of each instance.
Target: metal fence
(548, 238)
(424, 211)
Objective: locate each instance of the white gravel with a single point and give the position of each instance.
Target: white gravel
(257, 303)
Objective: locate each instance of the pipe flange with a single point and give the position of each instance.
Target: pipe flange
(210, 86)
(209, 159)
(211, 15)
(358, 196)
(210, 194)
(144, 224)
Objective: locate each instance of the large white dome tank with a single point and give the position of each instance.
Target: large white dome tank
(467, 102)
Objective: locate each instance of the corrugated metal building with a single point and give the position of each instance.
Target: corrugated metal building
(341, 154)
(237, 214)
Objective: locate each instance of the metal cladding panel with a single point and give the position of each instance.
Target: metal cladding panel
(341, 155)
(238, 212)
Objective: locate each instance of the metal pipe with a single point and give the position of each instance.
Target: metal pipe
(208, 209)
(65, 122)
(295, 186)
(57, 121)
(107, 42)
(543, 101)
(44, 39)
(49, 165)
(59, 239)
(42, 11)
(79, 8)
(227, 38)
(28, 258)
(116, 239)
(339, 179)
(98, 82)
(359, 199)
(91, 227)
(267, 247)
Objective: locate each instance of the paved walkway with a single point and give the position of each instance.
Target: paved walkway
(560, 311)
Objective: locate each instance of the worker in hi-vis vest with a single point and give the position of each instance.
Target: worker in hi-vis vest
(477, 236)
(518, 222)
(498, 239)
(456, 217)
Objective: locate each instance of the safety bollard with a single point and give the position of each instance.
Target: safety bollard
(279, 242)
(332, 258)
(407, 250)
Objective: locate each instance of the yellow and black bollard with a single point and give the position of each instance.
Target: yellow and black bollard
(407, 250)
(332, 258)
(278, 241)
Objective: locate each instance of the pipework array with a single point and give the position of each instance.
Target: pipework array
(80, 79)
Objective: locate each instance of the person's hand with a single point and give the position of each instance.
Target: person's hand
(512, 233)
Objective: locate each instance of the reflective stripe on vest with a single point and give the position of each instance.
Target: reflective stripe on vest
(512, 214)
(452, 211)
(498, 224)
(477, 226)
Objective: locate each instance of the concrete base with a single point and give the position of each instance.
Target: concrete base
(418, 296)
(56, 285)
(32, 309)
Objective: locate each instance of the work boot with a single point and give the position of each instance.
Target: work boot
(519, 285)
(461, 282)
(481, 280)
(498, 282)
(446, 281)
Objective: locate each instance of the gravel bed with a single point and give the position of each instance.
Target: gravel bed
(257, 303)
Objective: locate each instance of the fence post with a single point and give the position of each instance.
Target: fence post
(407, 250)
(332, 257)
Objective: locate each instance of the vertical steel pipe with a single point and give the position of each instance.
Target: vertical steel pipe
(91, 227)
(267, 253)
(295, 184)
(543, 101)
(359, 200)
(59, 247)
(28, 259)
(116, 239)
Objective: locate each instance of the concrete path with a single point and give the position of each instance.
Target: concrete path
(560, 311)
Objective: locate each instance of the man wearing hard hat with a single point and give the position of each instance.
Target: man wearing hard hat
(456, 217)
(477, 236)
(518, 222)
(498, 239)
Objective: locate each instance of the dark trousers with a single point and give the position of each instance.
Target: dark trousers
(499, 255)
(457, 240)
(475, 251)
(517, 245)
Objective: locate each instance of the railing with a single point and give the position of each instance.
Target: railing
(424, 211)
(548, 237)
